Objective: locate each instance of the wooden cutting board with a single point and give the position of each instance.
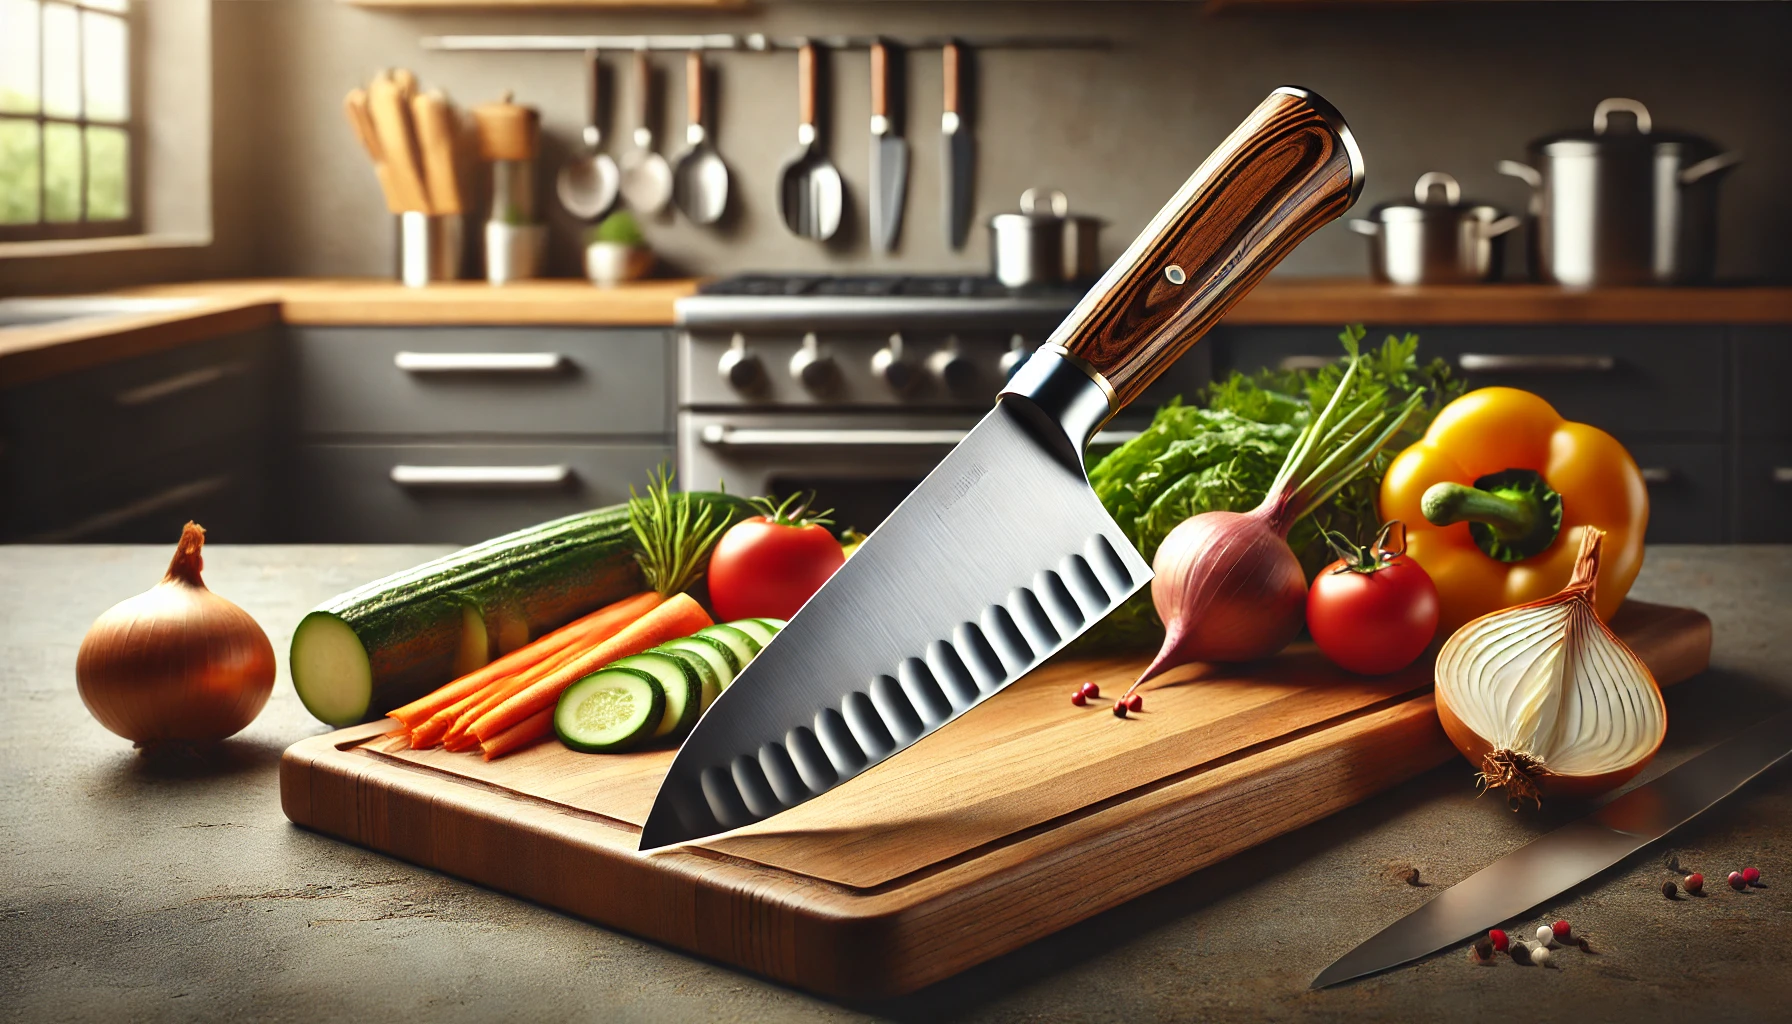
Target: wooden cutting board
(1026, 815)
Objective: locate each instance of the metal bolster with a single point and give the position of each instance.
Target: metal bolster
(1067, 391)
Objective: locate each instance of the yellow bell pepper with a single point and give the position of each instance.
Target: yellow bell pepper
(1495, 495)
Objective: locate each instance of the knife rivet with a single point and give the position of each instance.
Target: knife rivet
(1175, 274)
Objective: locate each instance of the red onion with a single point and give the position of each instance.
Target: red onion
(1228, 587)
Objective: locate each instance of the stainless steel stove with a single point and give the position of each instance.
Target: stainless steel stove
(851, 387)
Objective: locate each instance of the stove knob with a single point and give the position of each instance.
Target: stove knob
(1017, 354)
(814, 370)
(894, 368)
(743, 370)
(953, 370)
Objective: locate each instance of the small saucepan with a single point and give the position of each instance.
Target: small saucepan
(1433, 241)
(1044, 246)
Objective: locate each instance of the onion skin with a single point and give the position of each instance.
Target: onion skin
(177, 662)
(1228, 588)
(1549, 784)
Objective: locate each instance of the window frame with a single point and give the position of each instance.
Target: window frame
(132, 222)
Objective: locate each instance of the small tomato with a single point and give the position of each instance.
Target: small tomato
(1372, 612)
(768, 565)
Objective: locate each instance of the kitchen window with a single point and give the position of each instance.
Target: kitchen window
(69, 144)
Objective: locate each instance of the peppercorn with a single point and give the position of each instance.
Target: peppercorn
(1499, 940)
(1546, 936)
(1737, 882)
(1119, 709)
(1564, 932)
(1091, 691)
(1483, 951)
(1695, 884)
(1752, 876)
(1137, 703)
(1078, 699)
(1540, 956)
(1669, 890)
(1520, 953)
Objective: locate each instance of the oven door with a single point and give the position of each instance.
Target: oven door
(861, 465)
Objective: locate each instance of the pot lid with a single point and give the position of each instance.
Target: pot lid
(1047, 205)
(1436, 194)
(1620, 134)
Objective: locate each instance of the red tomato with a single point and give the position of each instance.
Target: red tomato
(1373, 623)
(764, 568)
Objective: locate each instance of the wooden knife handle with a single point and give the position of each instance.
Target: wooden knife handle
(880, 79)
(951, 57)
(805, 83)
(693, 87)
(1289, 169)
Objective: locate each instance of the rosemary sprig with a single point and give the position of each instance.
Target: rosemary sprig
(674, 543)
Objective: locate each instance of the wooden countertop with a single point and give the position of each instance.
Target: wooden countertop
(34, 352)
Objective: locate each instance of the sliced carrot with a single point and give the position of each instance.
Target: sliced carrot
(536, 727)
(431, 731)
(597, 626)
(501, 691)
(679, 616)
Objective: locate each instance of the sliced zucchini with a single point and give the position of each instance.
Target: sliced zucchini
(743, 646)
(761, 630)
(719, 656)
(609, 711)
(711, 684)
(678, 681)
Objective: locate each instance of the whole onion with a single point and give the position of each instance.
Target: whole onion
(176, 663)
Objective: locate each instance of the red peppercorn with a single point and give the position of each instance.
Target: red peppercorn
(1120, 712)
(1737, 882)
(1500, 942)
(1091, 691)
(1695, 883)
(1078, 699)
(1750, 875)
(1669, 892)
(1137, 703)
(1562, 930)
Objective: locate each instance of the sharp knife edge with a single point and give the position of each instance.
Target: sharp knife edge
(1574, 853)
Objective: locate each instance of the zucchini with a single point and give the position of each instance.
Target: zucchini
(761, 630)
(393, 640)
(609, 711)
(743, 646)
(678, 681)
(720, 659)
(708, 682)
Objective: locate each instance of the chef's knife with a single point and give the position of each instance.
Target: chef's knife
(1003, 554)
(958, 150)
(1571, 854)
(889, 154)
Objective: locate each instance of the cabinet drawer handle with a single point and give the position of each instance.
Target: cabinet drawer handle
(155, 391)
(1782, 474)
(480, 362)
(483, 477)
(1657, 475)
(1488, 362)
(718, 436)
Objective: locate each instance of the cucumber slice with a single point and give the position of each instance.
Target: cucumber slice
(679, 682)
(609, 711)
(711, 684)
(718, 657)
(761, 630)
(743, 646)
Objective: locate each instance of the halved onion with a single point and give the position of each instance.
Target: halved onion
(1545, 699)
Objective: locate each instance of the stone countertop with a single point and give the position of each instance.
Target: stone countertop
(143, 893)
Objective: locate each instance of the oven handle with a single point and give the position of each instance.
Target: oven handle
(718, 435)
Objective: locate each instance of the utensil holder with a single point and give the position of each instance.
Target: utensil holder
(429, 248)
(514, 252)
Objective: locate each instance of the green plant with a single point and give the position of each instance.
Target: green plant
(619, 228)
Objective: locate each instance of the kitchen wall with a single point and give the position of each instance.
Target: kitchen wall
(1445, 86)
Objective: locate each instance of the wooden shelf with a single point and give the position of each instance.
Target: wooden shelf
(521, 5)
(1332, 302)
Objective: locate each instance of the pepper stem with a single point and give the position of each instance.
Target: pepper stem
(1512, 514)
(187, 561)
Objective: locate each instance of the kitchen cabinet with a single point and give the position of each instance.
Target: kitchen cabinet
(128, 451)
(454, 434)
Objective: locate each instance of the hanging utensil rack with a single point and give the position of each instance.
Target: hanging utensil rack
(753, 42)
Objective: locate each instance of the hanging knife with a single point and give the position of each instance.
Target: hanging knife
(957, 148)
(1003, 554)
(1571, 854)
(889, 153)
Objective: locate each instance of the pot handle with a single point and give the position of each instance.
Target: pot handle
(1029, 202)
(1523, 172)
(1364, 227)
(1602, 114)
(1707, 167)
(1452, 189)
(1500, 227)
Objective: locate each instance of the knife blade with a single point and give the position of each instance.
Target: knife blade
(889, 154)
(1003, 554)
(957, 148)
(1564, 858)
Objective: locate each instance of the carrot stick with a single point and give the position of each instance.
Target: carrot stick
(499, 692)
(598, 625)
(679, 616)
(430, 732)
(535, 727)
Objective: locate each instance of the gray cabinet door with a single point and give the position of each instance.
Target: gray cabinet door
(482, 380)
(1764, 492)
(1763, 366)
(1686, 491)
(379, 494)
